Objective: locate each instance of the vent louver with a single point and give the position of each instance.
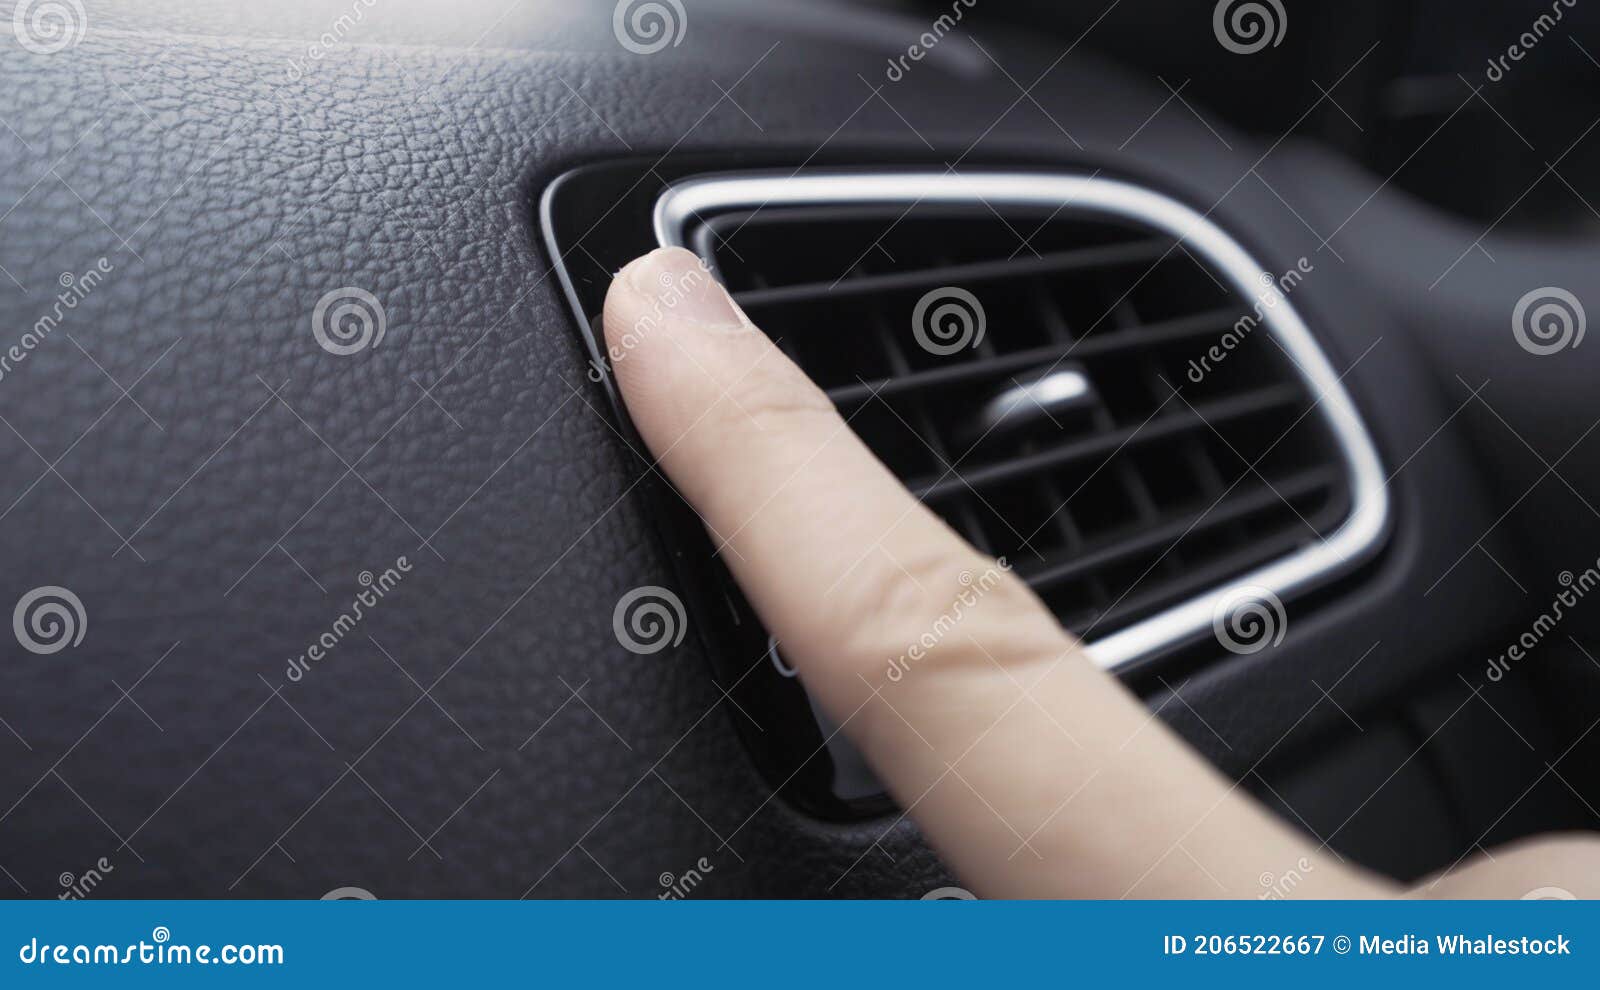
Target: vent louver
(1057, 366)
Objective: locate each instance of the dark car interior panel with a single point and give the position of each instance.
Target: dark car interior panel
(1403, 484)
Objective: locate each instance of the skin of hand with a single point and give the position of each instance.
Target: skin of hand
(1032, 772)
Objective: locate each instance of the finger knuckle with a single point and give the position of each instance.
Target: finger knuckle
(936, 610)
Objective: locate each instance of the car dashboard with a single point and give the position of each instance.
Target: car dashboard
(353, 603)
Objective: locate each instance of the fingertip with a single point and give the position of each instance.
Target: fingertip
(671, 258)
(669, 282)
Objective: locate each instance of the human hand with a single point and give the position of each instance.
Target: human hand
(1032, 772)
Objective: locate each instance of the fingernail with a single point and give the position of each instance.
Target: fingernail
(677, 282)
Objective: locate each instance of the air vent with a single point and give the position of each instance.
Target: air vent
(1080, 375)
(1072, 436)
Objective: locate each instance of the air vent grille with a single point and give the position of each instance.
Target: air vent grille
(1089, 433)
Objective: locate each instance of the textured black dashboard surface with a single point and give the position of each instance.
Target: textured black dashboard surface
(214, 518)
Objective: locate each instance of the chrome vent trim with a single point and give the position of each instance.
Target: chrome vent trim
(1354, 541)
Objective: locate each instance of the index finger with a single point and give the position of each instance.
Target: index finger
(1033, 772)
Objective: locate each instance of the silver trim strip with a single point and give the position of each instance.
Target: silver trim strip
(1360, 535)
